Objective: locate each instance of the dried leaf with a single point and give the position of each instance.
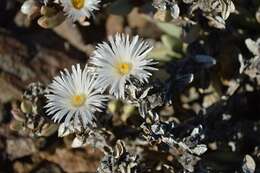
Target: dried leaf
(248, 164)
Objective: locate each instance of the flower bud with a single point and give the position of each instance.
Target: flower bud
(51, 22)
(30, 8)
(48, 11)
(26, 106)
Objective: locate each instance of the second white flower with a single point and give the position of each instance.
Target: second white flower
(120, 58)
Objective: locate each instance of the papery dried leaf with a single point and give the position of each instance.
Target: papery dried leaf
(253, 46)
(217, 22)
(122, 162)
(64, 131)
(77, 142)
(242, 63)
(200, 149)
(119, 149)
(248, 164)
(175, 11)
(227, 8)
(188, 161)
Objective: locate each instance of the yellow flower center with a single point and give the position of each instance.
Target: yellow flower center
(78, 100)
(124, 68)
(78, 4)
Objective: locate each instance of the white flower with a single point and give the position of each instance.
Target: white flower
(73, 97)
(30, 7)
(119, 59)
(78, 9)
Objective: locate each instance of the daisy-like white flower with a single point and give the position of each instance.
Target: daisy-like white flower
(73, 97)
(120, 58)
(78, 9)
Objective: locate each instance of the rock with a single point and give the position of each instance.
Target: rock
(74, 161)
(21, 167)
(136, 19)
(114, 24)
(13, 55)
(48, 168)
(8, 90)
(20, 147)
(47, 63)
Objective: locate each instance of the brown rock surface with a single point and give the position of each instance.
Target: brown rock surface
(74, 161)
(20, 147)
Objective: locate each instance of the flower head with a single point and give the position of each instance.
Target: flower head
(73, 97)
(119, 59)
(77, 9)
